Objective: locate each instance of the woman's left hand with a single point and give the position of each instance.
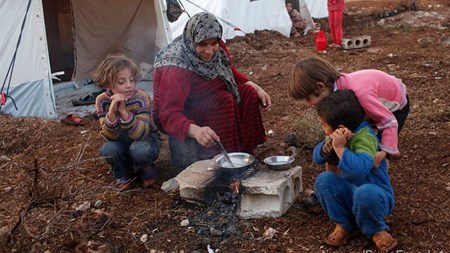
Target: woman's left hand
(262, 95)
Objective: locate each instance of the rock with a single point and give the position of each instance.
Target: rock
(215, 232)
(144, 238)
(444, 40)
(184, 223)
(98, 204)
(425, 42)
(269, 233)
(170, 185)
(83, 207)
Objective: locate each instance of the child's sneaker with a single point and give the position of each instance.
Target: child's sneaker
(148, 176)
(123, 183)
(311, 200)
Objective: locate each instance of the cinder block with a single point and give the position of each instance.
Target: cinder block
(270, 193)
(356, 42)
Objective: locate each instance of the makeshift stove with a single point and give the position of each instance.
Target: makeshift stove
(261, 192)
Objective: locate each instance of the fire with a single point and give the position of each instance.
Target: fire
(234, 185)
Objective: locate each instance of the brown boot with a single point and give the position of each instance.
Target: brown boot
(384, 241)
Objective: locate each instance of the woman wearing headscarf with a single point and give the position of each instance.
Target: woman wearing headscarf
(199, 94)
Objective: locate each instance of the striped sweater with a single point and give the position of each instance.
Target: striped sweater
(137, 127)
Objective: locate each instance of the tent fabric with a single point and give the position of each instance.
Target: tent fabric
(113, 26)
(138, 28)
(31, 86)
(317, 8)
(244, 14)
(306, 14)
(33, 98)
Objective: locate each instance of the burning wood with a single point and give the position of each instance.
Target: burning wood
(234, 185)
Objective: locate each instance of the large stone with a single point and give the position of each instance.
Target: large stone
(193, 179)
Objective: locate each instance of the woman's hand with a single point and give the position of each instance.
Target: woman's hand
(205, 136)
(262, 95)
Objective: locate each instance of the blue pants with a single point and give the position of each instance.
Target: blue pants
(121, 155)
(353, 206)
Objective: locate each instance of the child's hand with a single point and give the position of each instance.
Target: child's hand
(379, 156)
(339, 139)
(327, 148)
(332, 167)
(116, 99)
(348, 134)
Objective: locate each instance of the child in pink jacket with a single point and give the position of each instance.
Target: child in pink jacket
(383, 96)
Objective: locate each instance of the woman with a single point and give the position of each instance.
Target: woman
(199, 94)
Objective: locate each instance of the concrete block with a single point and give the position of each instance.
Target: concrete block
(356, 42)
(193, 179)
(270, 193)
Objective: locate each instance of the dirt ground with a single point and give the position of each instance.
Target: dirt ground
(56, 191)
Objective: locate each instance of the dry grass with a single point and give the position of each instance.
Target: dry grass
(307, 131)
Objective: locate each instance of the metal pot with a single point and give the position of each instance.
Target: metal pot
(281, 162)
(240, 161)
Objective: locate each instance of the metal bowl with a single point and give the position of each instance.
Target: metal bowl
(239, 160)
(279, 162)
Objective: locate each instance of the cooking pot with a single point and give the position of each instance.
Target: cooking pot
(281, 162)
(240, 160)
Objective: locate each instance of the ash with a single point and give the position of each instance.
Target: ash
(219, 220)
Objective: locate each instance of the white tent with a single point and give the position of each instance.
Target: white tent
(317, 8)
(75, 35)
(246, 15)
(24, 66)
(39, 37)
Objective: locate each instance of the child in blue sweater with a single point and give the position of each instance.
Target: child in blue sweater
(355, 196)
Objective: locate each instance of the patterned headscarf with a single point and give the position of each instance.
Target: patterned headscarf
(181, 52)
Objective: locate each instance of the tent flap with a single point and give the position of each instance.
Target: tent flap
(29, 83)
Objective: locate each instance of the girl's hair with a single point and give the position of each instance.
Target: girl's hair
(341, 108)
(307, 72)
(106, 73)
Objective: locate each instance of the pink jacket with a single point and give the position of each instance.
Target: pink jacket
(379, 94)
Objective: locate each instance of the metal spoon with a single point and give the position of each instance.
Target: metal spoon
(225, 154)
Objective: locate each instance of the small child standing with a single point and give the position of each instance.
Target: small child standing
(298, 23)
(382, 96)
(132, 141)
(335, 14)
(356, 196)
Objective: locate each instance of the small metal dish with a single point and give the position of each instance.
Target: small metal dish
(279, 162)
